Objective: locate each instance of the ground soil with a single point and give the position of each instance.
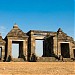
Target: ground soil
(37, 68)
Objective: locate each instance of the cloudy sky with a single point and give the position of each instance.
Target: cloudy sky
(47, 15)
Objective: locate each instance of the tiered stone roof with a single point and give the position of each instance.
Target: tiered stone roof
(1, 40)
(16, 32)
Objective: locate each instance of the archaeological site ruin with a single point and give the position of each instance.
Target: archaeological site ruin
(57, 46)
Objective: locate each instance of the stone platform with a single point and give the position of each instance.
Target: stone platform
(37, 68)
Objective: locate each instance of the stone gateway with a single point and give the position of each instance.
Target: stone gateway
(57, 46)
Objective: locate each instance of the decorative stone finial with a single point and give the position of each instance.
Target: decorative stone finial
(15, 26)
(59, 30)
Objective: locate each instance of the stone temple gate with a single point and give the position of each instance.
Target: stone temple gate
(56, 45)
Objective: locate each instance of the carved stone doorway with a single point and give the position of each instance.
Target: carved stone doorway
(19, 49)
(65, 51)
(15, 50)
(39, 48)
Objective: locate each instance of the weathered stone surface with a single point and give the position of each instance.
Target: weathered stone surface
(55, 44)
(61, 44)
(2, 46)
(16, 35)
(16, 32)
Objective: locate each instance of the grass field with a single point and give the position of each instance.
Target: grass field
(37, 68)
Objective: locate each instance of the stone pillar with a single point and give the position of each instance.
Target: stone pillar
(55, 45)
(3, 52)
(32, 44)
(9, 48)
(71, 50)
(25, 48)
(59, 49)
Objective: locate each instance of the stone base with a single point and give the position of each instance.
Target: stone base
(67, 59)
(46, 59)
(17, 60)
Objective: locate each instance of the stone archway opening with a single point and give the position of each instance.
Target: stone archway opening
(65, 51)
(0, 53)
(74, 52)
(39, 48)
(17, 49)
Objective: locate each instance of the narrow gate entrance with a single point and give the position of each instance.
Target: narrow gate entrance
(65, 51)
(39, 48)
(17, 49)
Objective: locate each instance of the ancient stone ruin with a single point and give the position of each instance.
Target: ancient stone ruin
(57, 46)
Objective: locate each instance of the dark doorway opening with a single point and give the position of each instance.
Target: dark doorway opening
(74, 52)
(48, 47)
(17, 49)
(65, 51)
(39, 47)
(0, 53)
(50, 51)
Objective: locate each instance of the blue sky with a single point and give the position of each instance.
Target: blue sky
(47, 15)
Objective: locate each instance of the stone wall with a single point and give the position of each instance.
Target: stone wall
(2, 46)
(51, 43)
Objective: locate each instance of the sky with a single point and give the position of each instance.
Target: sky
(46, 15)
